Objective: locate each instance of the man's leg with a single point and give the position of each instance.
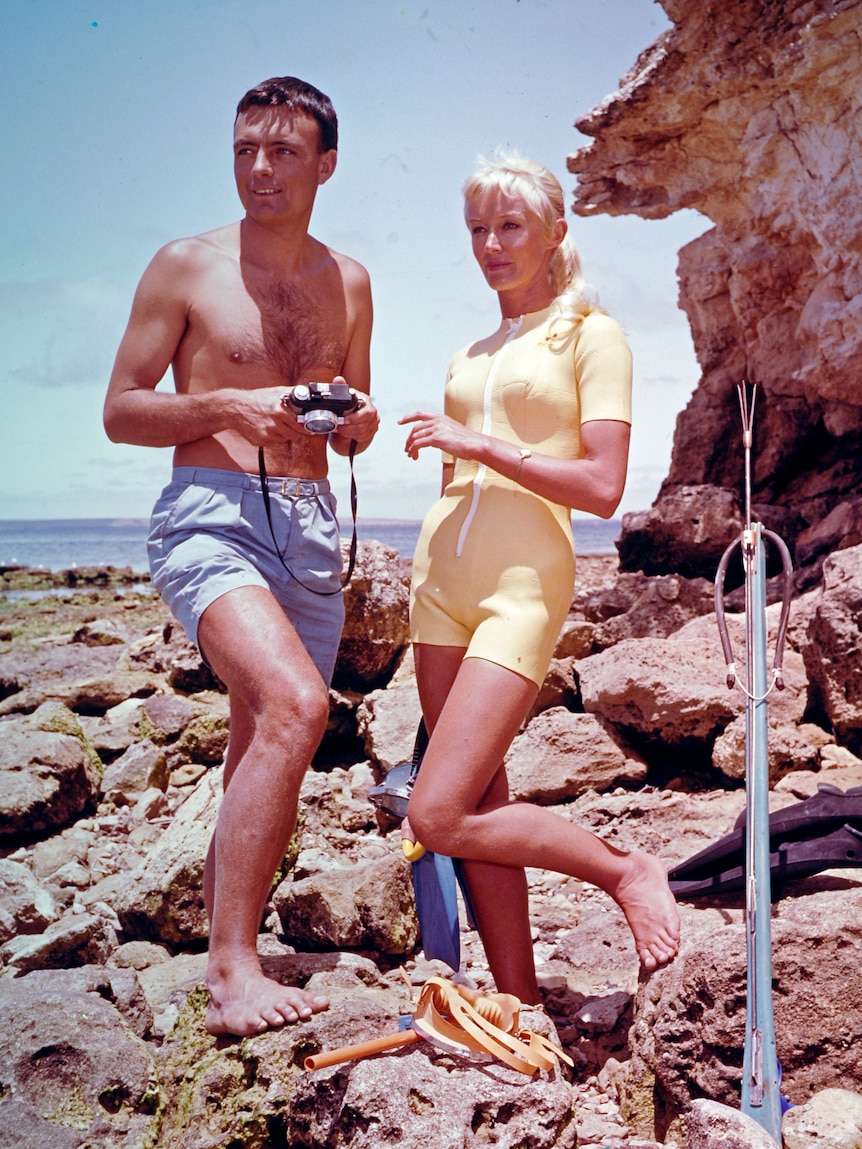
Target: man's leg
(279, 708)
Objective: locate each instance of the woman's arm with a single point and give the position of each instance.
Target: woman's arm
(592, 483)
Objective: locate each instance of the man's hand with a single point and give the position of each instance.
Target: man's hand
(261, 417)
(360, 425)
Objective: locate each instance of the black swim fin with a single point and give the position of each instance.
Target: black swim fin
(820, 833)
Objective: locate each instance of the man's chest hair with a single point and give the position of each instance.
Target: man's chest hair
(290, 329)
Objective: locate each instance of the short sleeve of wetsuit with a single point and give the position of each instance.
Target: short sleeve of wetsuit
(603, 369)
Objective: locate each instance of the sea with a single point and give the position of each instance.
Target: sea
(62, 544)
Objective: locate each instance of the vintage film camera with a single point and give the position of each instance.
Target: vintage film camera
(321, 407)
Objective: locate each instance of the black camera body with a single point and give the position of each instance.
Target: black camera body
(321, 407)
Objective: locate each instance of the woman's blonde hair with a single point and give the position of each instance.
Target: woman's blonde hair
(541, 192)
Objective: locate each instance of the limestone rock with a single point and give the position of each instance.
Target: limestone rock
(831, 1119)
(101, 632)
(375, 627)
(687, 533)
(672, 693)
(415, 1097)
(46, 779)
(576, 640)
(558, 689)
(74, 940)
(841, 528)
(418, 1099)
(114, 731)
(142, 766)
(387, 720)
(561, 754)
(690, 1018)
(363, 906)
(652, 607)
(162, 900)
(833, 653)
(72, 1070)
(759, 133)
(171, 654)
(661, 692)
(791, 748)
(36, 676)
(710, 1125)
(26, 906)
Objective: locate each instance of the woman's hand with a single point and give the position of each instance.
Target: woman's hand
(430, 430)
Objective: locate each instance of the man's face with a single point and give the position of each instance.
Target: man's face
(278, 165)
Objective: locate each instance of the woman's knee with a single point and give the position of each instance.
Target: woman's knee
(435, 825)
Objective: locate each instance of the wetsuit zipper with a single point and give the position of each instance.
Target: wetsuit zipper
(514, 328)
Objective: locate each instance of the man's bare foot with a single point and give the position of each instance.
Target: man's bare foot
(245, 1002)
(650, 908)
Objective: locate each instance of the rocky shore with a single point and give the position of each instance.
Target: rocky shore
(111, 737)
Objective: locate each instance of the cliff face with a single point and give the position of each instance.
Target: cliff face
(749, 111)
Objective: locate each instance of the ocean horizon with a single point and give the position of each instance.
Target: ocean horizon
(62, 544)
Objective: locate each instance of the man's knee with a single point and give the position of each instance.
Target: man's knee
(303, 701)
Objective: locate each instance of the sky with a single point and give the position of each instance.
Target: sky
(117, 131)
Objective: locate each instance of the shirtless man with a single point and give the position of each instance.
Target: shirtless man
(241, 314)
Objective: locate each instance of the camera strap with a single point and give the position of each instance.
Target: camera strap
(351, 560)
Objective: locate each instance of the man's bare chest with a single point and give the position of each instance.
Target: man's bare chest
(292, 331)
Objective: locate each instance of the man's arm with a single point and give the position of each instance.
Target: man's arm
(361, 425)
(135, 412)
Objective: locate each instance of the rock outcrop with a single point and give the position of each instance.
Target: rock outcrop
(751, 113)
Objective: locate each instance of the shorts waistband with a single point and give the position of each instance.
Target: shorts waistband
(286, 485)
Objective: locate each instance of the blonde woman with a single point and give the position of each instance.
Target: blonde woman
(537, 422)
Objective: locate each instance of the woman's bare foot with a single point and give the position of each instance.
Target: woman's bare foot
(244, 1002)
(645, 898)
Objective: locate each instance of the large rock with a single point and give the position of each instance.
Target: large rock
(26, 907)
(710, 1125)
(561, 755)
(141, 767)
(663, 693)
(759, 133)
(646, 607)
(46, 779)
(73, 1073)
(387, 720)
(73, 940)
(687, 532)
(833, 653)
(832, 1118)
(31, 677)
(689, 1028)
(162, 899)
(415, 1098)
(671, 694)
(375, 625)
(366, 906)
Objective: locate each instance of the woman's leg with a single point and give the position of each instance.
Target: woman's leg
(506, 938)
(482, 712)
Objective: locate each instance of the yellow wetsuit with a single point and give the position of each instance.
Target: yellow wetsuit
(494, 567)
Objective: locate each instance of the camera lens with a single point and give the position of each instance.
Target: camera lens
(320, 422)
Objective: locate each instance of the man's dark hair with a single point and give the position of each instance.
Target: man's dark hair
(296, 95)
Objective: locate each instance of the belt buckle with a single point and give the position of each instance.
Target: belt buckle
(291, 488)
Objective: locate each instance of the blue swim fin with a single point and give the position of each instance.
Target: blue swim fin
(435, 890)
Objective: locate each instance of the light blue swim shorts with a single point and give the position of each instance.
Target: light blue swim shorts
(209, 535)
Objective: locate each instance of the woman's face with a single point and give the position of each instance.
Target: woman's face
(511, 245)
